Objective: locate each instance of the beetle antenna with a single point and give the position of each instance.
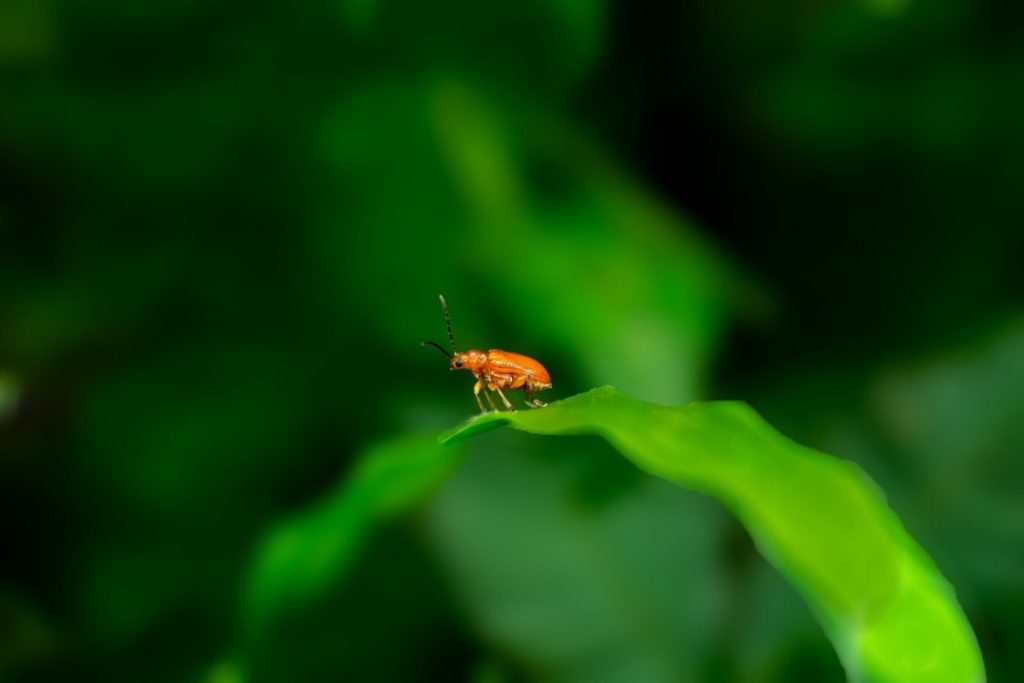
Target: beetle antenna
(436, 346)
(447, 321)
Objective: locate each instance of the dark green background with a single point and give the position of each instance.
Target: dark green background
(223, 228)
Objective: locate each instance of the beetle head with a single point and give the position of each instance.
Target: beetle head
(468, 360)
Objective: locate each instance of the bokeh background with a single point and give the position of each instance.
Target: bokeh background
(223, 229)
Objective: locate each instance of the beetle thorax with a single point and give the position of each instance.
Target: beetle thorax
(473, 360)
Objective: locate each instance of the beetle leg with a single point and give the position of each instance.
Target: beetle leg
(491, 401)
(476, 395)
(505, 400)
(531, 401)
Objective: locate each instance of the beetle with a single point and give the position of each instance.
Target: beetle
(495, 369)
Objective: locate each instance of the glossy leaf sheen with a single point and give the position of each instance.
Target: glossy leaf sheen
(820, 520)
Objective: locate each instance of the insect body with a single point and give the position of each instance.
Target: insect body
(495, 369)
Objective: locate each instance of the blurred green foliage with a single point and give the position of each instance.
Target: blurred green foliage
(303, 557)
(223, 228)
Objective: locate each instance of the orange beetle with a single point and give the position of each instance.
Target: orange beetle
(495, 369)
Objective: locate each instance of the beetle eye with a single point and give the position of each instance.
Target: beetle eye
(458, 363)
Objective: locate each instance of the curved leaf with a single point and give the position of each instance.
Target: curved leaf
(820, 520)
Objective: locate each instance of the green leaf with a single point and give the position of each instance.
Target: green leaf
(820, 520)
